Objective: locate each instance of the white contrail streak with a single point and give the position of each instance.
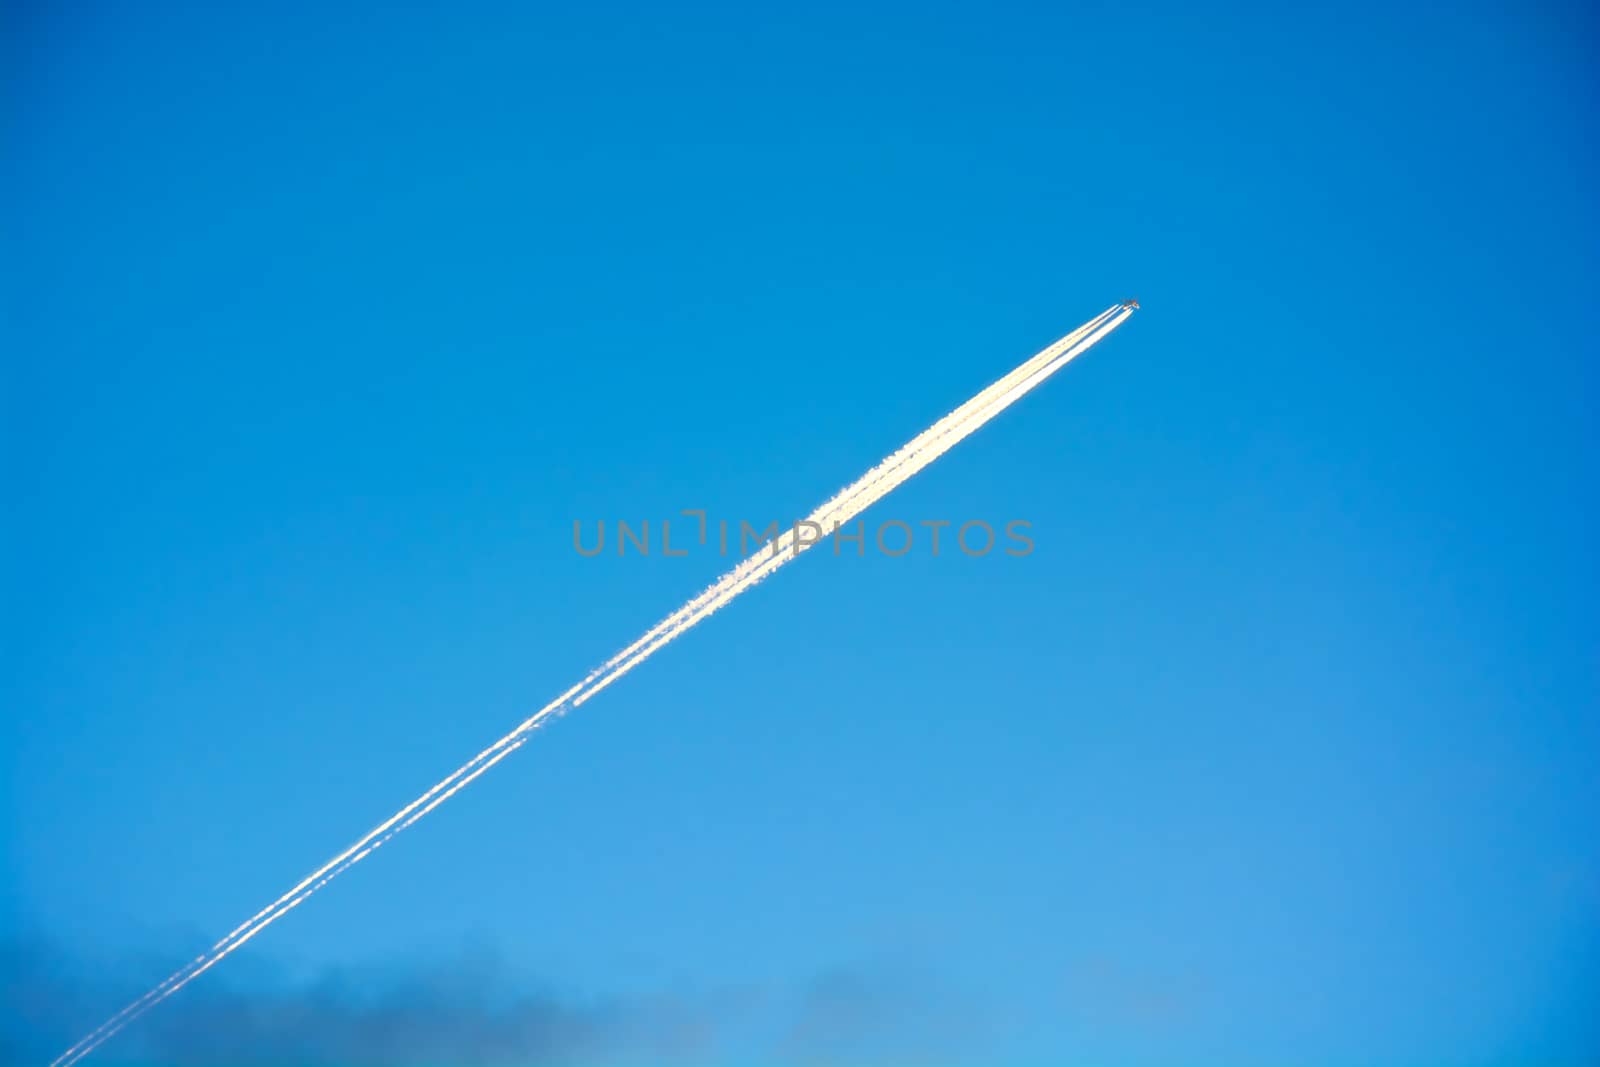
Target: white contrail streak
(855, 499)
(843, 506)
(915, 445)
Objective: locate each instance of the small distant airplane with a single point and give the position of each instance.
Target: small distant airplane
(1130, 305)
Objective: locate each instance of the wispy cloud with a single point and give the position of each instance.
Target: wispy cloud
(882, 1015)
(474, 1010)
(468, 1010)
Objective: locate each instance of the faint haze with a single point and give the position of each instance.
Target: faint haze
(473, 1010)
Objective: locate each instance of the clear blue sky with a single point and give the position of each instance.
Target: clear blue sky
(325, 323)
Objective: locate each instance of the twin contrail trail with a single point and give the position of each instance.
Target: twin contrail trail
(841, 508)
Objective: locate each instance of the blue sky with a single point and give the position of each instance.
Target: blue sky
(325, 325)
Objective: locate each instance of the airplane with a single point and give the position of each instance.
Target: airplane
(1130, 305)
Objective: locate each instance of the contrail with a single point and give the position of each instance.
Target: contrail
(856, 498)
(915, 445)
(843, 506)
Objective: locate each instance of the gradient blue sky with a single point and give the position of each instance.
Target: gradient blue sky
(325, 324)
